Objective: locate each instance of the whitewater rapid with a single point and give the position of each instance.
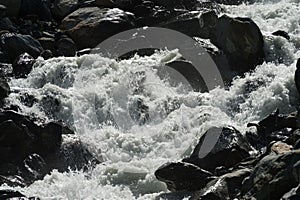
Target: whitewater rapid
(94, 95)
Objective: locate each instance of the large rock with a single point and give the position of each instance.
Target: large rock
(65, 47)
(16, 44)
(90, 26)
(241, 40)
(274, 127)
(29, 151)
(273, 176)
(183, 176)
(220, 147)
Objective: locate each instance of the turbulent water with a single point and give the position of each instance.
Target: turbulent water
(97, 97)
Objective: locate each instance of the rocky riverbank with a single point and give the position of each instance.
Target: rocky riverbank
(262, 164)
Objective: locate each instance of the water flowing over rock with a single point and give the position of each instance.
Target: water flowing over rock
(23, 65)
(90, 26)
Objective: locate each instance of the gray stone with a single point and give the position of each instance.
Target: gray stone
(90, 26)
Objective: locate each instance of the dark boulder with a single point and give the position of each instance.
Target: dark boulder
(241, 40)
(6, 194)
(186, 69)
(183, 176)
(227, 186)
(46, 54)
(11, 194)
(47, 43)
(273, 176)
(187, 23)
(30, 151)
(220, 147)
(65, 47)
(7, 25)
(274, 127)
(16, 44)
(22, 66)
(91, 25)
(22, 137)
(282, 34)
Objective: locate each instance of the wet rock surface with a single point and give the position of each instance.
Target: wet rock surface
(225, 163)
(90, 26)
(30, 151)
(220, 147)
(239, 169)
(182, 176)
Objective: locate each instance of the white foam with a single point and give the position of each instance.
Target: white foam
(93, 94)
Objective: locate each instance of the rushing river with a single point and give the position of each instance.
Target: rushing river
(96, 96)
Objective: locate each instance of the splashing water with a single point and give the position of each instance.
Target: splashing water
(97, 97)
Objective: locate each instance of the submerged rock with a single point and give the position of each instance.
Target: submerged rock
(282, 34)
(72, 155)
(241, 40)
(22, 66)
(90, 26)
(183, 176)
(220, 147)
